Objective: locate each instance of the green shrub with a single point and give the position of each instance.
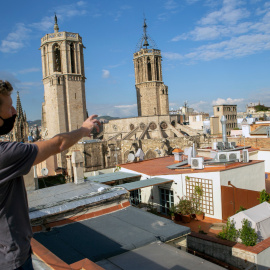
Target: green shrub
(229, 232)
(264, 196)
(247, 234)
(242, 208)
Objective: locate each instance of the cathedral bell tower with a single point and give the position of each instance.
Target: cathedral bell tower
(64, 107)
(152, 93)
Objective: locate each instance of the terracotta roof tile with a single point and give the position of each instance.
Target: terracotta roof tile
(158, 166)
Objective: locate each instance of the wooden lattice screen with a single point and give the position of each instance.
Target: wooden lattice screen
(207, 197)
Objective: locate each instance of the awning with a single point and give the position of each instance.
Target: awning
(116, 176)
(145, 183)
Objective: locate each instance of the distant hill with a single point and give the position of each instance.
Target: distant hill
(38, 122)
(33, 123)
(107, 117)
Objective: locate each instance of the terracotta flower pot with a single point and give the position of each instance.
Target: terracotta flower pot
(200, 216)
(186, 218)
(177, 217)
(173, 218)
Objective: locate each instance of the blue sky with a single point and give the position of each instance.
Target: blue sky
(213, 51)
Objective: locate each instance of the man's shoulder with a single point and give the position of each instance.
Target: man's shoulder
(15, 147)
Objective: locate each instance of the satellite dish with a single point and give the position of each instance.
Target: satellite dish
(44, 171)
(131, 157)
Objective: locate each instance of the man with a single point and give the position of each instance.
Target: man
(16, 160)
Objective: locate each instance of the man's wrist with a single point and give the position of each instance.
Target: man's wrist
(85, 131)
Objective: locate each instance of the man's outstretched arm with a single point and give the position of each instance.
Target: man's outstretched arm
(64, 141)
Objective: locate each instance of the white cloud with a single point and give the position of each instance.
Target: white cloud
(121, 111)
(170, 5)
(237, 35)
(15, 40)
(120, 12)
(230, 13)
(234, 47)
(105, 73)
(202, 106)
(221, 101)
(18, 38)
(45, 24)
(173, 56)
(28, 70)
(71, 10)
(126, 106)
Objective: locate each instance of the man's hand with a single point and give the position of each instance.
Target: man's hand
(63, 141)
(89, 124)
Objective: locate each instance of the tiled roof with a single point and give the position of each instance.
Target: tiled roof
(158, 166)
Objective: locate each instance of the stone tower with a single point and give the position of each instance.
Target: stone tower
(152, 93)
(64, 107)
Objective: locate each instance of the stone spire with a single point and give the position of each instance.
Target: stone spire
(19, 107)
(56, 28)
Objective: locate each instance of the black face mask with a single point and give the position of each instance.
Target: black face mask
(8, 124)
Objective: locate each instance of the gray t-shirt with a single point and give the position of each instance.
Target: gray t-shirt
(16, 160)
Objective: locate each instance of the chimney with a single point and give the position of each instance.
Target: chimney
(177, 152)
(223, 121)
(77, 164)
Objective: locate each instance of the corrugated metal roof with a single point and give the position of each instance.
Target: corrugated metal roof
(145, 183)
(108, 177)
(53, 200)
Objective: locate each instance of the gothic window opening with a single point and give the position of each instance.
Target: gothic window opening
(82, 60)
(45, 62)
(72, 58)
(157, 69)
(138, 67)
(75, 95)
(149, 69)
(57, 58)
(58, 79)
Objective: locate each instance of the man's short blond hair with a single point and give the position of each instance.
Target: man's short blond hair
(5, 89)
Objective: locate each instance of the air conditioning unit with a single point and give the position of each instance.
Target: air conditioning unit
(197, 163)
(222, 156)
(233, 144)
(220, 146)
(227, 145)
(245, 154)
(233, 156)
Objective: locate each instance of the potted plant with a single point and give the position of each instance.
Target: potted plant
(185, 207)
(197, 202)
(173, 211)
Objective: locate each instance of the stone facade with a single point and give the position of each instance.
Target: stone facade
(152, 93)
(230, 112)
(107, 154)
(64, 107)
